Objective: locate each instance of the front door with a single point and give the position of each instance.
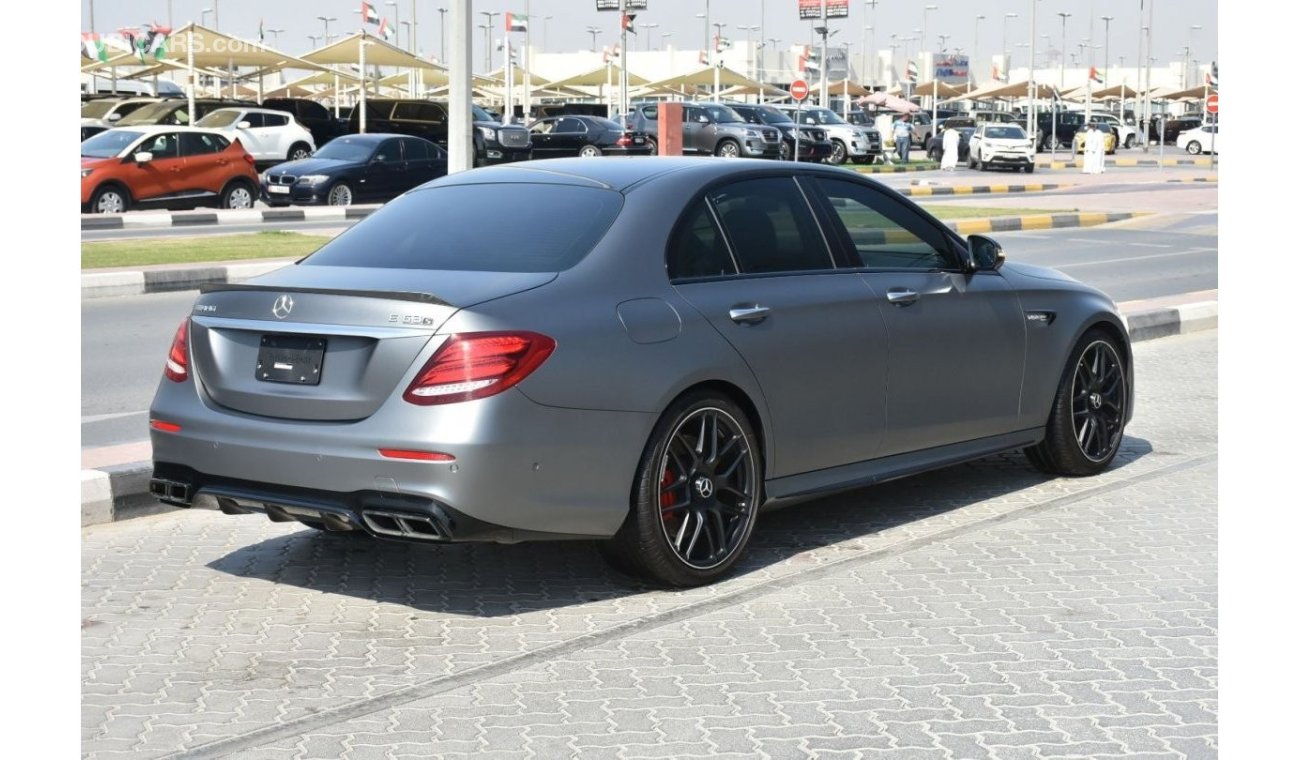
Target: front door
(938, 317)
(163, 174)
(385, 177)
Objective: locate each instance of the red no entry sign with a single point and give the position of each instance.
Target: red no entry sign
(798, 90)
(1212, 103)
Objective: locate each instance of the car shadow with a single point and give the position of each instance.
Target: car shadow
(493, 580)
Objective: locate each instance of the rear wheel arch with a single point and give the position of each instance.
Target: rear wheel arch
(737, 395)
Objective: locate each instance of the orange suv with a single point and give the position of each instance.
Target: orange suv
(164, 167)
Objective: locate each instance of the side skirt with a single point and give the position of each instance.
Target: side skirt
(810, 485)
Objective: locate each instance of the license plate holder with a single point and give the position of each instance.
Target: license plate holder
(292, 359)
(278, 189)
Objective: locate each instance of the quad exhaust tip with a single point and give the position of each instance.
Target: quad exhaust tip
(170, 491)
(402, 525)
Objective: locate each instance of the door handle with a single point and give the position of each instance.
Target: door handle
(902, 296)
(748, 314)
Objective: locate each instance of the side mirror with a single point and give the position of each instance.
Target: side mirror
(702, 119)
(114, 116)
(986, 254)
(243, 125)
(379, 158)
(143, 157)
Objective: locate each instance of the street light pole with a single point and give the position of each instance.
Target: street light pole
(488, 38)
(1151, 20)
(1064, 15)
(1006, 53)
(974, 55)
(442, 35)
(593, 31)
(1106, 62)
(869, 73)
(648, 33)
(1032, 122)
(1187, 81)
(397, 21)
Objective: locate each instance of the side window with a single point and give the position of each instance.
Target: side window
(407, 111)
(273, 119)
(389, 152)
(697, 249)
(416, 150)
(886, 233)
(651, 113)
(309, 110)
(198, 144)
(162, 146)
(543, 127)
(570, 126)
(430, 112)
(181, 116)
(770, 226)
(254, 120)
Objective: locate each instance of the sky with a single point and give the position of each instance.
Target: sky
(566, 29)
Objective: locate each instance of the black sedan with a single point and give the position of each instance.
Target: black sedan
(355, 169)
(934, 146)
(586, 136)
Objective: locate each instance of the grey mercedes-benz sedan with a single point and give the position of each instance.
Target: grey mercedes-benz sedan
(647, 352)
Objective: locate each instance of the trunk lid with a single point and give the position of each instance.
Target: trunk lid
(328, 343)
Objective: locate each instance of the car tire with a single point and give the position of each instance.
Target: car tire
(868, 160)
(298, 151)
(1129, 141)
(1029, 169)
(653, 145)
(1194, 148)
(1073, 446)
(340, 194)
(690, 528)
(589, 151)
(839, 153)
(110, 199)
(238, 195)
(984, 165)
(728, 149)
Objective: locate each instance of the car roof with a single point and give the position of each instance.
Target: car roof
(152, 129)
(621, 174)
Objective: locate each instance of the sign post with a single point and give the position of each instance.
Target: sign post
(799, 92)
(1212, 108)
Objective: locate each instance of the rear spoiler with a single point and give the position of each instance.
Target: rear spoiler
(398, 295)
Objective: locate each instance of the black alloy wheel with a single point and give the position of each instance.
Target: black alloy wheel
(1088, 415)
(697, 495)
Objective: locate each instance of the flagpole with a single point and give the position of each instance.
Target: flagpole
(528, 62)
(509, 116)
(622, 59)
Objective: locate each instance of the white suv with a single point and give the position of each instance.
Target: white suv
(995, 144)
(270, 137)
(1124, 133)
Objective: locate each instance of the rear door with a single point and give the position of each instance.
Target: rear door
(569, 136)
(207, 162)
(752, 259)
(272, 136)
(956, 346)
(421, 162)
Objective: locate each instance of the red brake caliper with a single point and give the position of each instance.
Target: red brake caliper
(665, 497)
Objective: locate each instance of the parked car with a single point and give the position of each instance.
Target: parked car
(494, 143)
(934, 147)
(1004, 145)
(164, 166)
(560, 136)
(272, 137)
(704, 340)
(813, 143)
(710, 129)
(176, 111)
(1197, 140)
(104, 113)
(318, 119)
(1056, 128)
(1125, 134)
(1111, 140)
(860, 144)
(369, 168)
(1166, 130)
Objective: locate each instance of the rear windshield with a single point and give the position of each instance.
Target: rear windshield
(478, 228)
(97, 109)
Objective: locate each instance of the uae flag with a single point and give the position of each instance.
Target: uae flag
(385, 30)
(628, 18)
(93, 47)
(1095, 76)
(368, 14)
(516, 22)
(913, 71)
(1212, 78)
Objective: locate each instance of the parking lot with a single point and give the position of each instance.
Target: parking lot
(978, 611)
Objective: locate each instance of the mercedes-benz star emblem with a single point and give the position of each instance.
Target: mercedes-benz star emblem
(282, 306)
(704, 487)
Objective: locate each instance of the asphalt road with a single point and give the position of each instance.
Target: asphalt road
(124, 341)
(978, 611)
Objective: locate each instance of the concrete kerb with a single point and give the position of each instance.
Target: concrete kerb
(241, 216)
(172, 279)
(121, 492)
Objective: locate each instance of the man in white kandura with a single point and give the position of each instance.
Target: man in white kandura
(951, 145)
(1094, 151)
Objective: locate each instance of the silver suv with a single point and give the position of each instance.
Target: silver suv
(711, 128)
(848, 141)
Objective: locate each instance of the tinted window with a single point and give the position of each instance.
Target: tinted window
(606, 123)
(311, 111)
(108, 144)
(544, 127)
(416, 150)
(650, 112)
(770, 115)
(97, 109)
(770, 226)
(570, 125)
(195, 144)
(885, 232)
(347, 148)
(723, 114)
(698, 248)
(220, 118)
(254, 120)
(272, 120)
(544, 235)
(748, 115)
(389, 152)
(1005, 133)
(408, 111)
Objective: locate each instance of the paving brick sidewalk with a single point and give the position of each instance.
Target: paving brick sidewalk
(978, 611)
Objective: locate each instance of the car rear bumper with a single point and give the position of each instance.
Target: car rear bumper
(520, 470)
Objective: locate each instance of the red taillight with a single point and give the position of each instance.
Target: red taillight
(178, 359)
(478, 365)
(248, 157)
(419, 456)
(623, 141)
(166, 427)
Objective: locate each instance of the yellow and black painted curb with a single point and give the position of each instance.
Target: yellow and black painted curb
(1195, 179)
(920, 192)
(919, 166)
(999, 224)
